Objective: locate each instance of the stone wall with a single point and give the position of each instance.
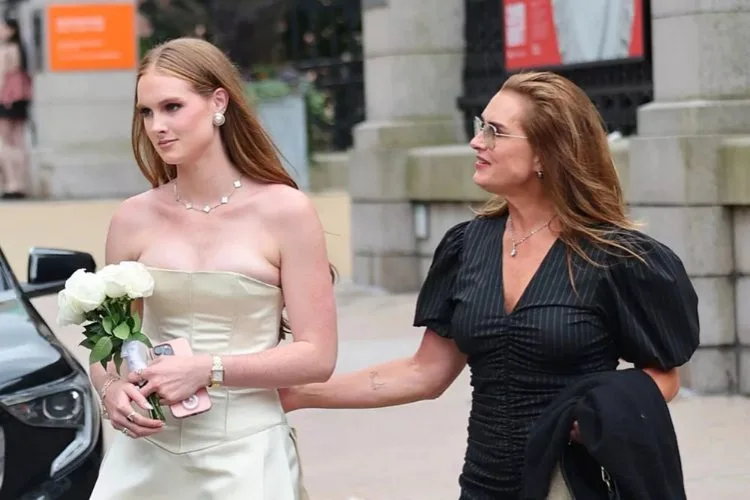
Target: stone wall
(695, 197)
(690, 171)
(413, 53)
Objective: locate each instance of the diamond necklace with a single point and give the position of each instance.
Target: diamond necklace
(513, 250)
(206, 208)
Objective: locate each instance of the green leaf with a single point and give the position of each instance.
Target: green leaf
(122, 331)
(101, 351)
(140, 337)
(135, 322)
(87, 343)
(93, 329)
(96, 333)
(114, 314)
(108, 325)
(95, 338)
(117, 358)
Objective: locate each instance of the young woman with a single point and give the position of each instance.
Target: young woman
(230, 241)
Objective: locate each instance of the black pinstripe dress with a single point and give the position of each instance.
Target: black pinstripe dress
(644, 313)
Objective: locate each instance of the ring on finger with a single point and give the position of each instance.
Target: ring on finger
(139, 372)
(126, 431)
(131, 416)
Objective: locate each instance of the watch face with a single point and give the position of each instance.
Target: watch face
(219, 376)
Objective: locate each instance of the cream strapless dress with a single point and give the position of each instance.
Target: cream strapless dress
(243, 448)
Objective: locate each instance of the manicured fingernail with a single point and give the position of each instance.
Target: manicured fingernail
(149, 407)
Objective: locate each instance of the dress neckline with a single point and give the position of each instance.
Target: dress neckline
(529, 289)
(215, 272)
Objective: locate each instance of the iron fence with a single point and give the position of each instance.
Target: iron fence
(321, 39)
(617, 88)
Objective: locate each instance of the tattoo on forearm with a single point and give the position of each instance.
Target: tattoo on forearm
(374, 382)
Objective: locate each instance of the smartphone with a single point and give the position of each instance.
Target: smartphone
(197, 403)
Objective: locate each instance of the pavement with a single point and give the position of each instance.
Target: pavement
(415, 452)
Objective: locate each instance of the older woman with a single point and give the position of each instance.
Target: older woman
(548, 284)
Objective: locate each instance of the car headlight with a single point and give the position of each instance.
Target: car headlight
(62, 409)
(65, 403)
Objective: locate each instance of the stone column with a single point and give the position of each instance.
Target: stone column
(701, 98)
(736, 192)
(413, 53)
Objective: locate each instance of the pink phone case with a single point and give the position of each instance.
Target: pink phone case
(197, 403)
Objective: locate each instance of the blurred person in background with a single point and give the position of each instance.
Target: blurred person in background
(15, 99)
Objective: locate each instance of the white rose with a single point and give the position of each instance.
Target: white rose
(136, 279)
(69, 312)
(114, 281)
(85, 289)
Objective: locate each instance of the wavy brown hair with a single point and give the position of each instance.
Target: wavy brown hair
(248, 146)
(567, 133)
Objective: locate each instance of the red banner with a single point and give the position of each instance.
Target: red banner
(557, 33)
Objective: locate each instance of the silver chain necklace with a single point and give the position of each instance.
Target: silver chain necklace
(206, 208)
(513, 250)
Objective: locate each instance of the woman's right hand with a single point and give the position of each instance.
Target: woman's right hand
(118, 402)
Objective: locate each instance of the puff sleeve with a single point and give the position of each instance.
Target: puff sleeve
(653, 310)
(435, 302)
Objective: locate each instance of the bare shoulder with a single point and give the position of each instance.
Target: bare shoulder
(283, 205)
(134, 211)
(127, 226)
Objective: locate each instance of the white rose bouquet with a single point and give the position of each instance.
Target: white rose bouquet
(101, 302)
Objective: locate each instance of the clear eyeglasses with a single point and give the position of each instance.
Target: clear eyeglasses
(490, 133)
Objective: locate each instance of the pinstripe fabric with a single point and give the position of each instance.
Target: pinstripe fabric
(646, 314)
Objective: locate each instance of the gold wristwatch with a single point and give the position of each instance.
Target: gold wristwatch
(217, 372)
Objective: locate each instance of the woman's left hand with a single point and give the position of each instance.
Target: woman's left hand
(174, 378)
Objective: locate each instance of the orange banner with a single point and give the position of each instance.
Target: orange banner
(91, 37)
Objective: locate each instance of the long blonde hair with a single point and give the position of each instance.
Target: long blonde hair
(566, 132)
(247, 144)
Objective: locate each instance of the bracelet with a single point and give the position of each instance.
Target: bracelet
(110, 381)
(103, 394)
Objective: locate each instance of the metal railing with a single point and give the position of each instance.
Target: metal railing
(617, 88)
(321, 39)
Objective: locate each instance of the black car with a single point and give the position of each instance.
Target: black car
(50, 422)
